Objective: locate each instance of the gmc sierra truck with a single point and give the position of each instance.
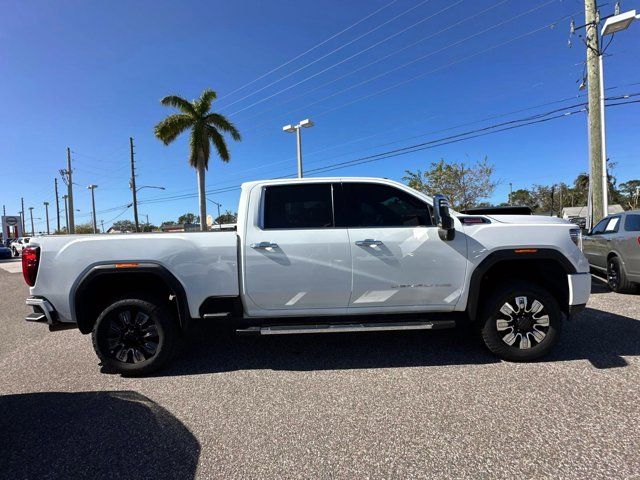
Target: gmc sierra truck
(315, 255)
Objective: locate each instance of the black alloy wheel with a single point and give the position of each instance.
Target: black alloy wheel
(135, 336)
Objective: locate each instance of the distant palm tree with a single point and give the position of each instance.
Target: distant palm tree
(205, 127)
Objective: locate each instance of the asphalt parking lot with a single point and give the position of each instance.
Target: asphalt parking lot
(375, 405)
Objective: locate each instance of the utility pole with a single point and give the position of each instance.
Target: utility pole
(93, 207)
(55, 183)
(22, 213)
(597, 158)
(31, 215)
(46, 209)
(133, 186)
(72, 227)
(66, 211)
(102, 223)
(510, 193)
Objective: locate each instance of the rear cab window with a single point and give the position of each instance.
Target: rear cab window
(301, 206)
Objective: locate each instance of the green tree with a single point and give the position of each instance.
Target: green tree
(84, 228)
(148, 227)
(524, 198)
(227, 217)
(188, 218)
(205, 128)
(463, 185)
(630, 191)
(124, 226)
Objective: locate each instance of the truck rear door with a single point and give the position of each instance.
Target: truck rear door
(295, 259)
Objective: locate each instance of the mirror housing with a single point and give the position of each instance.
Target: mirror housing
(444, 220)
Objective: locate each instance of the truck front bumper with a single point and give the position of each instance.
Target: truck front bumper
(579, 290)
(43, 312)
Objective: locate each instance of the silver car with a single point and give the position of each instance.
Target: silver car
(613, 246)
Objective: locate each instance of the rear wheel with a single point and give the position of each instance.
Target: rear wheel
(520, 322)
(135, 336)
(617, 277)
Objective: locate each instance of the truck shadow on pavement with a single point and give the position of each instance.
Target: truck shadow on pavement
(601, 337)
(93, 435)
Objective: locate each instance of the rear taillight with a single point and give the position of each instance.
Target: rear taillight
(30, 260)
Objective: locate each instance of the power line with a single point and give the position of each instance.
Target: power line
(531, 120)
(235, 186)
(379, 59)
(360, 52)
(328, 54)
(440, 50)
(309, 50)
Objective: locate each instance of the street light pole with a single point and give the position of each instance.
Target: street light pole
(93, 207)
(598, 178)
(31, 215)
(217, 205)
(46, 209)
(296, 128)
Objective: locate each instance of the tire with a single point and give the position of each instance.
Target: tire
(617, 277)
(14, 252)
(517, 330)
(135, 336)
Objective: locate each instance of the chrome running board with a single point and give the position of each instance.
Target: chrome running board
(346, 327)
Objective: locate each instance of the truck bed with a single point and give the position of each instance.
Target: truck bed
(205, 263)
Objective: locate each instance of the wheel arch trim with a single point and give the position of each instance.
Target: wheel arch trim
(132, 267)
(509, 254)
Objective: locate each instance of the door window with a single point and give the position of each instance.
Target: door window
(632, 223)
(599, 228)
(375, 205)
(612, 226)
(298, 206)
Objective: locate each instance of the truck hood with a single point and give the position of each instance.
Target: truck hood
(528, 219)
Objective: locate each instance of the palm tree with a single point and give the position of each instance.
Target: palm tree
(206, 128)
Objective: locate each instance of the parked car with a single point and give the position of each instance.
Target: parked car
(18, 245)
(315, 255)
(613, 247)
(5, 252)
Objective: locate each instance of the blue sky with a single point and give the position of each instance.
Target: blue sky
(89, 75)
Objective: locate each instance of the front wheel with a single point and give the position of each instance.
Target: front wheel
(520, 322)
(135, 336)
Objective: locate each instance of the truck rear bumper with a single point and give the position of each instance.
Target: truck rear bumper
(579, 290)
(43, 312)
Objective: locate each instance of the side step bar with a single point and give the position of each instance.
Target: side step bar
(346, 327)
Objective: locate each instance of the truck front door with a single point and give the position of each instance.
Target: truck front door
(399, 261)
(295, 259)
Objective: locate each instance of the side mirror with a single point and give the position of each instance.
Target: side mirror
(444, 221)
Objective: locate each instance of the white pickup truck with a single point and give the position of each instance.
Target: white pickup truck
(315, 255)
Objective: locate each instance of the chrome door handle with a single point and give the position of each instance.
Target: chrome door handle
(264, 245)
(368, 242)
